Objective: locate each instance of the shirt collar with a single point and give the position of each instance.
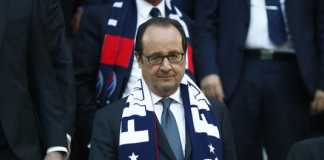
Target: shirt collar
(144, 8)
(175, 96)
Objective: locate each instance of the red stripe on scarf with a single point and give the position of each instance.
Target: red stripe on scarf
(125, 52)
(109, 49)
(190, 60)
(116, 50)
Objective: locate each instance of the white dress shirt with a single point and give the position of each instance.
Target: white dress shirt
(177, 111)
(258, 37)
(143, 14)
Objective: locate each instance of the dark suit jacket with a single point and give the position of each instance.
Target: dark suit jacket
(310, 149)
(31, 109)
(106, 127)
(228, 21)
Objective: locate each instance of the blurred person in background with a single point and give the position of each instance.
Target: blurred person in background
(32, 107)
(269, 55)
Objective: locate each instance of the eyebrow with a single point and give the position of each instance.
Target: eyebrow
(174, 52)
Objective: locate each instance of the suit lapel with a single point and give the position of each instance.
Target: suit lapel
(165, 148)
(3, 18)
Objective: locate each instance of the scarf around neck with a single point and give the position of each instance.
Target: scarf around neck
(139, 135)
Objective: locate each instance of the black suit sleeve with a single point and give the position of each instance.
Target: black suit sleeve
(44, 85)
(226, 131)
(62, 59)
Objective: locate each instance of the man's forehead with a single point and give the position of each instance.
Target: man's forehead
(154, 30)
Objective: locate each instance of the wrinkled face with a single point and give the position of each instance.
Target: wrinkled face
(162, 77)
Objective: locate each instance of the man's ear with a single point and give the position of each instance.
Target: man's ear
(139, 59)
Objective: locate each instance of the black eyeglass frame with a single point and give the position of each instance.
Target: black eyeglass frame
(158, 59)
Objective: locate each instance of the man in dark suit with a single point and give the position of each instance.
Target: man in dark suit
(174, 130)
(269, 55)
(96, 38)
(31, 105)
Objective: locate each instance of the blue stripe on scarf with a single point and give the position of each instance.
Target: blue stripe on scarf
(145, 150)
(200, 141)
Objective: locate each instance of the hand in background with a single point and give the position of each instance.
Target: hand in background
(211, 85)
(55, 156)
(76, 20)
(318, 102)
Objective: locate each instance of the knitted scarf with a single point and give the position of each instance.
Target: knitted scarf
(139, 136)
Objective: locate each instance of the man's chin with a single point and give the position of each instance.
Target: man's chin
(166, 79)
(168, 88)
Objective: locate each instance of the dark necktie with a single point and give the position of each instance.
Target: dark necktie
(276, 23)
(155, 12)
(170, 129)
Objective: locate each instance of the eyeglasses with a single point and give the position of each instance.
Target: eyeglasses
(158, 59)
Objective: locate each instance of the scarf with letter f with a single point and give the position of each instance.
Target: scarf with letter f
(117, 50)
(139, 135)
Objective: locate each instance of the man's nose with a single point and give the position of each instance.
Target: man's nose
(165, 65)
